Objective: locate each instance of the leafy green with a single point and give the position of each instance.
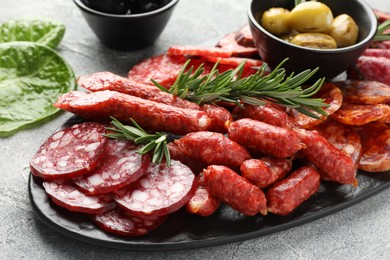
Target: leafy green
(32, 76)
(40, 30)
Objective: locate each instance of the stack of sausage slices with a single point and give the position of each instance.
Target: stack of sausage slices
(255, 159)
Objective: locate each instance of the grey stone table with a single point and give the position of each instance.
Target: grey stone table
(358, 232)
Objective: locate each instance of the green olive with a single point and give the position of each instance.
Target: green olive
(314, 40)
(311, 17)
(344, 30)
(275, 20)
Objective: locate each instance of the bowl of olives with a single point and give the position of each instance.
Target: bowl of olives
(127, 24)
(328, 35)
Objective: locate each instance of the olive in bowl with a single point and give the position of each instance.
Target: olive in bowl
(331, 61)
(127, 24)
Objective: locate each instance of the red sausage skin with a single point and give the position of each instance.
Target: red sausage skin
(285, 196)
(234, 190)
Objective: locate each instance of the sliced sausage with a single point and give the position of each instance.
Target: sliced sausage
(229, 42)
(375, 139)
(100, 106)
(162, 191)
(331, 94)
(355, 114)
(66, 195)
(163, 69)
(234, 190)
(371, 68)
(262, 138)
(377, 53)
(285, 196)
(117, 222)
(244, 36)
(235, 61)
(213, 148)
(364, 92)
(199, 51)
(120, 166)
(70, 152)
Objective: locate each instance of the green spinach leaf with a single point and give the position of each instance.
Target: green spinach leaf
(32, 76)
(39, 30)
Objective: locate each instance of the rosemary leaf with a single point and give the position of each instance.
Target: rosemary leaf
(232, 87)
(156, 143)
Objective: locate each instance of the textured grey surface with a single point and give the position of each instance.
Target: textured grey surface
(359, 232)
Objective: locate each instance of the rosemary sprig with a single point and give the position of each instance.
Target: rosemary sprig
(151, 142)
(380, 34)
(255, 89)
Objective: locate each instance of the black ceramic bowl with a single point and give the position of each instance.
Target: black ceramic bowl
(127, 31)
(330, 62)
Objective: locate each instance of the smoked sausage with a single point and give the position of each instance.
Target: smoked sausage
(285, 196)
(262, 138)
(234, 190)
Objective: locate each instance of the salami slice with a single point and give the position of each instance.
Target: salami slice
(117, 222)
(101, 105)
(375, 139)
(70, 152)
(66, 195)
(229, 42)
(164, 69)
(382, 16)
(244, 36)
(213, 148)
(203, 203)
(364, 92)
(372, 68)
(343, 137)
(234, 190)
(162, 191)
(331, 94)
(288, 194)
(235, 61)
(265, 139)
(355, 114)
(377, 53)
(199, 51)
(120, 166)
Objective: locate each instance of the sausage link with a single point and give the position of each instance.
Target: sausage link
(234, 190)
(213, 148)
(108, 81)
(99, 106)
(333, 164)
(286, 195)
(265, 171)
(203, 203)
(262, 138)
(268, 114)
